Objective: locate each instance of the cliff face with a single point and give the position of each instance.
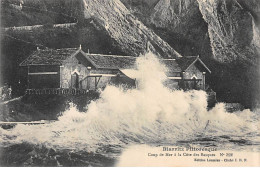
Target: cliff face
(170, 12)
(233, 31)
(197, 21)
(179, 22)
(108, 16)
(127, 31)
(225, 33)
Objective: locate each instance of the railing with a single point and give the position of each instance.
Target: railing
(57, 91)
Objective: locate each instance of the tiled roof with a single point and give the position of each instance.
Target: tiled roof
(125, 62)
(57, 56)
(111, 61)
(49, 56)
(185, 62)
(171, 65)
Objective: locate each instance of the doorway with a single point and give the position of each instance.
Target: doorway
(194, 83)
(75, 80)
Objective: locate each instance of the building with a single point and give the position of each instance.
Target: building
(68, 69)
(193, 72)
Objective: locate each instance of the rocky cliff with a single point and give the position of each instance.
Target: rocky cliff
(127, 31)
(233, 32)
(179, 22)
(225, 33)
(222, 21)
(170, 12)
(108, 16)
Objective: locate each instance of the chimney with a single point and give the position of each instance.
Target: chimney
(80, 46)
(88, 51)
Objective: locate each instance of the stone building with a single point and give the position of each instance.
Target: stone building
(193, 72)
(72, 68)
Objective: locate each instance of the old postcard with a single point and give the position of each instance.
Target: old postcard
(118, 83)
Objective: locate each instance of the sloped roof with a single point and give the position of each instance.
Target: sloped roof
(186, 62)
(49, 56)
(111, 61)
(171, 65)
(125, 62)
(101, 61)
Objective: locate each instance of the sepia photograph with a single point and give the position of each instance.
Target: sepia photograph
(130, 83)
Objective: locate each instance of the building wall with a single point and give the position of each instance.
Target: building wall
(193, 71)
(171, 84)
(105, 80)
(37, 79)
(72, 65)
(69, 67)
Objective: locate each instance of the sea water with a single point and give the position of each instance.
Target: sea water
(151, 115)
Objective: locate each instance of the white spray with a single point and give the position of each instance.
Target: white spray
(151, 114)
